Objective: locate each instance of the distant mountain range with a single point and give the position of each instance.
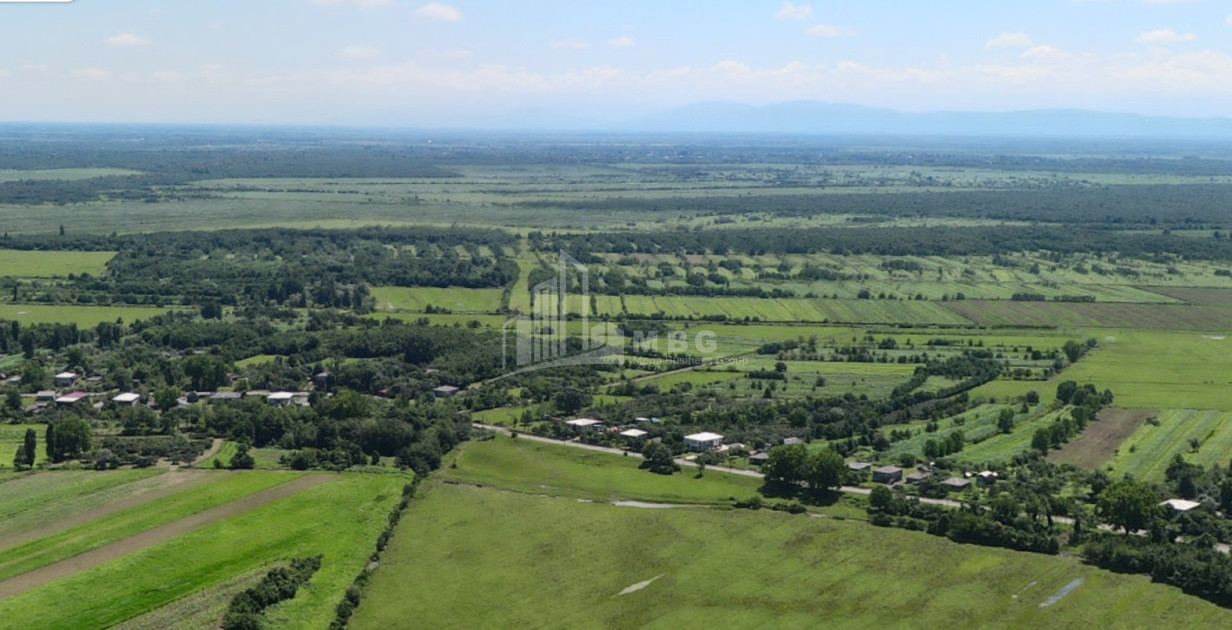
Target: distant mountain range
(814, 117)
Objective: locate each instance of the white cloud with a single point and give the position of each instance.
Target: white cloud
(824, 30)
(624, 41)
(438, 11)
(794, 12)
(1168, 1)
(1045, 53)
(127, 39)
(358, 53)
(1009, 40)
(1164, 36)
(354, 3)
(1229, 20)
(570, 44)
(93, 74)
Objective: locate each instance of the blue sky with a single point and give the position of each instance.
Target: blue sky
(483, 63)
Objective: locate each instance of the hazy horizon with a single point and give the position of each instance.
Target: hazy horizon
(484, 64)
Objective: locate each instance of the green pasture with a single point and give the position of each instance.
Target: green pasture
(725, 569)
(62, 174)
(532, 466)
(1160, 370)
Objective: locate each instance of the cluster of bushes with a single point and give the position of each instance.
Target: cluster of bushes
(145, 450)
(757, 503)
(280, 584)
(1197, 569)
(994, 528)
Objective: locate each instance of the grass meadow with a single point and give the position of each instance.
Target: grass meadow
(420, 298)
(84, 316)
(467, 557)
(1160, 370)
(38, 264)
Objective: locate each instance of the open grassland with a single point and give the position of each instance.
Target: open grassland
(36, 264)
(535, 467)
(84, 316)
(420, 298)
(979, 422)
(564, 564)
(340, 519)
(225, 487)
(13, 436)
(1101, 439)
(1147, 452)
(1094, 314)
(1160, 370)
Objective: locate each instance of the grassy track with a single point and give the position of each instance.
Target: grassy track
(562, 564)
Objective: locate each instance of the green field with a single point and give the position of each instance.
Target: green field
(1160, 370)
(467, 557)
(37, 264)
(84, 316)
(420, 298)
(787, 310)
(1148, 451)
(1095, 314)
(354, 507)
(38, 499)
(225, 487)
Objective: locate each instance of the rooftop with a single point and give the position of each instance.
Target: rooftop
(890, 470)
(1181, 505)
(282, 396)
(704, 437)
(584, 422)
(634, 433)
(127, 397)
(72, 398)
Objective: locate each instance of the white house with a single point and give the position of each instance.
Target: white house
(66, 379)
(585, 425)
(281, 399)
(634, 434)
(127, 398)
(1181, 505)
(702, 442)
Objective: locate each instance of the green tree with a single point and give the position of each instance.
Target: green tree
(658, 459)
(826, 470)
(27, 452)
(68, 438)
(787, 465)
(571, 399)
(1042, 440)
(12, 399)
(1005, 421)
(880, 498)
(167, 398)
(1128, 504)
(242, 460)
